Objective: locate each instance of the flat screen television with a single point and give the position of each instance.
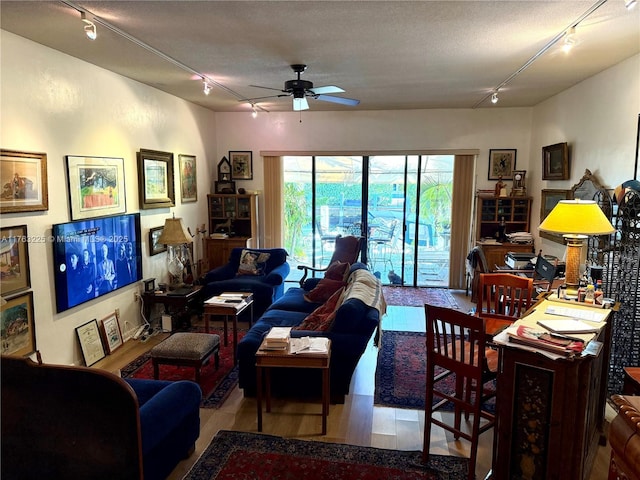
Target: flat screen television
(95, 257)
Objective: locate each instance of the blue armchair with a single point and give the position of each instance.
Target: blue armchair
(266, 282)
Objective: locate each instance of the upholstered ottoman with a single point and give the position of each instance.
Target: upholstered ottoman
(186, 349)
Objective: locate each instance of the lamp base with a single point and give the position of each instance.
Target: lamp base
(575, 243)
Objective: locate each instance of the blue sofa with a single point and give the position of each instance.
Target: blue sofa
(350, 333)
(266, 287)
(77, 422)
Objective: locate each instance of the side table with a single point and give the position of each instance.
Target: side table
(172, 303)
(268, 359)
(226, 310)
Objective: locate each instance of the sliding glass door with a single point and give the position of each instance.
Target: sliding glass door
(401, 204)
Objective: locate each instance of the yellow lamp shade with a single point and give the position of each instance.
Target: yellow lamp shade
(174, 233)
(584, 217)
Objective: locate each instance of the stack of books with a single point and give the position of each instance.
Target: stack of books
(278, 338)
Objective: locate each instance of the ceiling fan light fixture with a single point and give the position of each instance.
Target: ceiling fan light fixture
(89, 28)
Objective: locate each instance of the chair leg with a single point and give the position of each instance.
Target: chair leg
(427, 420)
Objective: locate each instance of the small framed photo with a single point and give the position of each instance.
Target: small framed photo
(23, 177)
(502, 163)
(155, 179)
(241, 165)
(155, 247)
(14, 260)
(225, 187)
(111, 333)
(96, 186)
(149, 285)
(188, 178)
(555, 162)
(90, 342)
(18, 329)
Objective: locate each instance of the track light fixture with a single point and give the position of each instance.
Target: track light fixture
(89, 28)
(494, 97)
(206, 87)
(629, 4)
(254, 112)
(569, 40)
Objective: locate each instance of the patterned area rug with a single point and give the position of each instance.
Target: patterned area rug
(401, 373)
(216, 384)
(417, 297)
(234, 455)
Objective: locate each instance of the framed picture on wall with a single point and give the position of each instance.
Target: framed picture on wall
(23, 177)
(555, 162)
(96, 186)
(155, 179)
(241, 165)
(155, 247)
(14, 260)
(549, 199)
(188, 178)
(18, 328)
(502, 163)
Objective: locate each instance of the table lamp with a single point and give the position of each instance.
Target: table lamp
(576, 220)
(176, 237)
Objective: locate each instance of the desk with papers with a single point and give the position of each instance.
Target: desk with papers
(551, 406)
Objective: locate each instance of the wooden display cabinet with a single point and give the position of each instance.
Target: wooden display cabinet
(238, 215)
(491, 210)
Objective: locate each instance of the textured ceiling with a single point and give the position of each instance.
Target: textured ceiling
(388, 54)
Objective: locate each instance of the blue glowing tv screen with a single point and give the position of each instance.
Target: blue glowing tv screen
(95, 257)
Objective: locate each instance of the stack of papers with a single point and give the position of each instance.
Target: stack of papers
(520, 237)
(567, 325)
(558, 344)
(277, 339)
(310, 345)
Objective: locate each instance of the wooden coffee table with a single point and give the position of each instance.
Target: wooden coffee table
(228, 310)
(268, 359)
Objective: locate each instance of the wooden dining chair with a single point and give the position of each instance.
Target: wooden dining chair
(503, 298)
(456, 343)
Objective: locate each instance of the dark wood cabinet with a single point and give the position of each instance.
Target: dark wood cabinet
(515, 211)
(495, 252)
(216, 251)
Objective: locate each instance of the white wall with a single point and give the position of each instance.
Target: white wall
(599, 119)
(59, 105)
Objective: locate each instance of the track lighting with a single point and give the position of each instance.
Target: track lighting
(207, 87)
(89, 28)
(494, 97)
(629, 4)
(569, 40)
(254, 113)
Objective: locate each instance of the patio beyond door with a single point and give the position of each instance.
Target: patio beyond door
(405, 218)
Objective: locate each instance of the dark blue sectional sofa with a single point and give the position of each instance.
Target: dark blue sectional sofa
(350, 333)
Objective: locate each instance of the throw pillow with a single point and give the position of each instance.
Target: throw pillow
(323, 291)
(337, 271)
(321, 318)
(252, 262)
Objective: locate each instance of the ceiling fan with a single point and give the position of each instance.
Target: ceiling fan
(301, 89)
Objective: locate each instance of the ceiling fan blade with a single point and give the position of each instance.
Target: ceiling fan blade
(344, 101)
(326, 89)
(300, 104)
(269, 88)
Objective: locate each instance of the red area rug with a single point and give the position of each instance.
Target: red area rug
(417, 297)
(234, 455)
(401, 371)
(216, 385)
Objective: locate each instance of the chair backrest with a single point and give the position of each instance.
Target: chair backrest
(504, 294)
(347, 249)
(455, 341)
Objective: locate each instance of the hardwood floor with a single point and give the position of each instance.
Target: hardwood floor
(356, 422)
